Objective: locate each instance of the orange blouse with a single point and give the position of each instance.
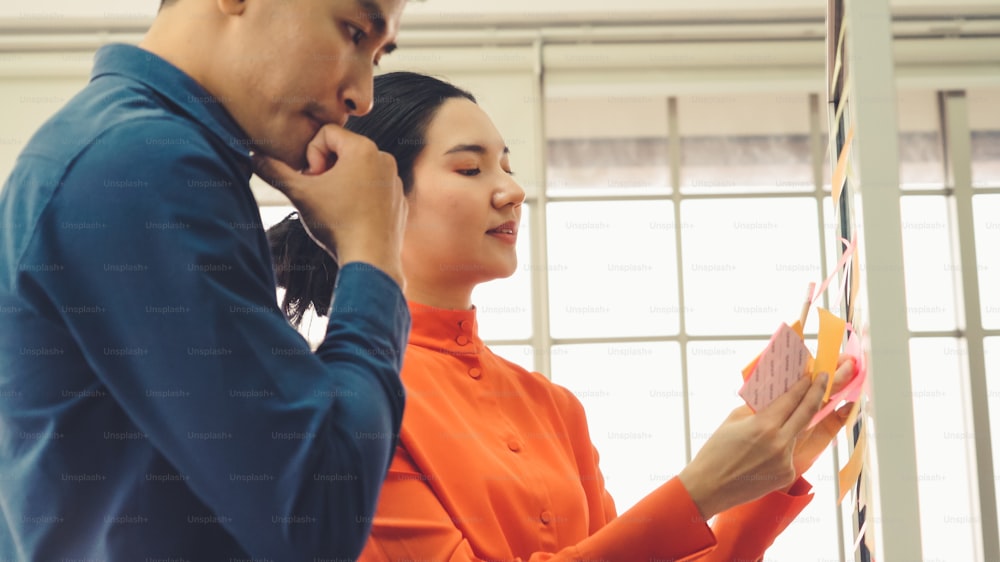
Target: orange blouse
(495, 463)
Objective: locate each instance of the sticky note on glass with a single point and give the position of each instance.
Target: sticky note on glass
(783, 361)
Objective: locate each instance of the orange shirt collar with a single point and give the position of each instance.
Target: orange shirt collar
(451, 331)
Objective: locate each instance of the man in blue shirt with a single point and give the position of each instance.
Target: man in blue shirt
(154, 402)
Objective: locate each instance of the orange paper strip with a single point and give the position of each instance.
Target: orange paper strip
(831, 335)
(839, 173)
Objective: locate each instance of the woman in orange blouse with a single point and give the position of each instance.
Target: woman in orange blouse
(494, 462)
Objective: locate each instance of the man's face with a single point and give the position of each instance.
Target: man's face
(303, 64)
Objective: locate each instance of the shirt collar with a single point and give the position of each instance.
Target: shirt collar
(184, 92)
(450, 331)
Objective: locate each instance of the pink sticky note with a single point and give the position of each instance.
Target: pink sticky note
(782, 362)
(852, 390)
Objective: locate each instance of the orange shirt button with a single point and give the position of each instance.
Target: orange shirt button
(546, 517)
(465, 325)
(514, 445)
(475, 372)
(462, 340)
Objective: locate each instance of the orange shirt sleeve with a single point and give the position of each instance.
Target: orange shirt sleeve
(413, 525)
(746, 531)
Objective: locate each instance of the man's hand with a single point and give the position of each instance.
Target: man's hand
(350, 198)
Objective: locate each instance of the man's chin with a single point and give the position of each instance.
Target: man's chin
(295, 159)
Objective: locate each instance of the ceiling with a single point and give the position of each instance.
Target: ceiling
(464, 12)
(72, 25)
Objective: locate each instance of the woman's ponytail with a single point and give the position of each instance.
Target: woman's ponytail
(301, 267)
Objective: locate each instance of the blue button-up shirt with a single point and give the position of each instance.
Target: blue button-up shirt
(154, 402)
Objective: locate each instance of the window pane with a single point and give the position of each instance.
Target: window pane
(920, 160)
(612, 269)
(607, 166)
(632, 396)
(747, 263)
(714, 380)
(944, 442)
(271, 215)
(986, 218)
(504, 306)
(746, 142)
(921, 155)
(986, 158)
(991, 349)
(812, 536)
(984, 120)
(523, 355)
(928, 263)
(601, 145)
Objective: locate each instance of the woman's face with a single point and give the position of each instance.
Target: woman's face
(465, 207)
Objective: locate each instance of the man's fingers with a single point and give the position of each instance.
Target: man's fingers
(323, 149)
(275, 172)
(319, 158)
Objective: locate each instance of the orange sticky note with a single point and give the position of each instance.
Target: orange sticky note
(831, 335)
(852, 470)
(848, 475)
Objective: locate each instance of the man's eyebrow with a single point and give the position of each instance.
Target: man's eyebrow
(373, 13)
(477, 148)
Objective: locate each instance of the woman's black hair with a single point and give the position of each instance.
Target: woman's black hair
(404, 105)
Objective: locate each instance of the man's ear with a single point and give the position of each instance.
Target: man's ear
(232, 7)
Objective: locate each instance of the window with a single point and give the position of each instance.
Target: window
(921, 157)
(745, 142)
(984, 120)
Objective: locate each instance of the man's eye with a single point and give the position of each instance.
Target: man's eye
(357, 35)
(470, 172)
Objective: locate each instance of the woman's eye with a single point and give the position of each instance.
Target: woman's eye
(470, 172)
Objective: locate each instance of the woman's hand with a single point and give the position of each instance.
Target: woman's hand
(812, 442)
(751, 455)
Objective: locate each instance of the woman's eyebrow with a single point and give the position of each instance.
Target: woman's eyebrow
(476, 148)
